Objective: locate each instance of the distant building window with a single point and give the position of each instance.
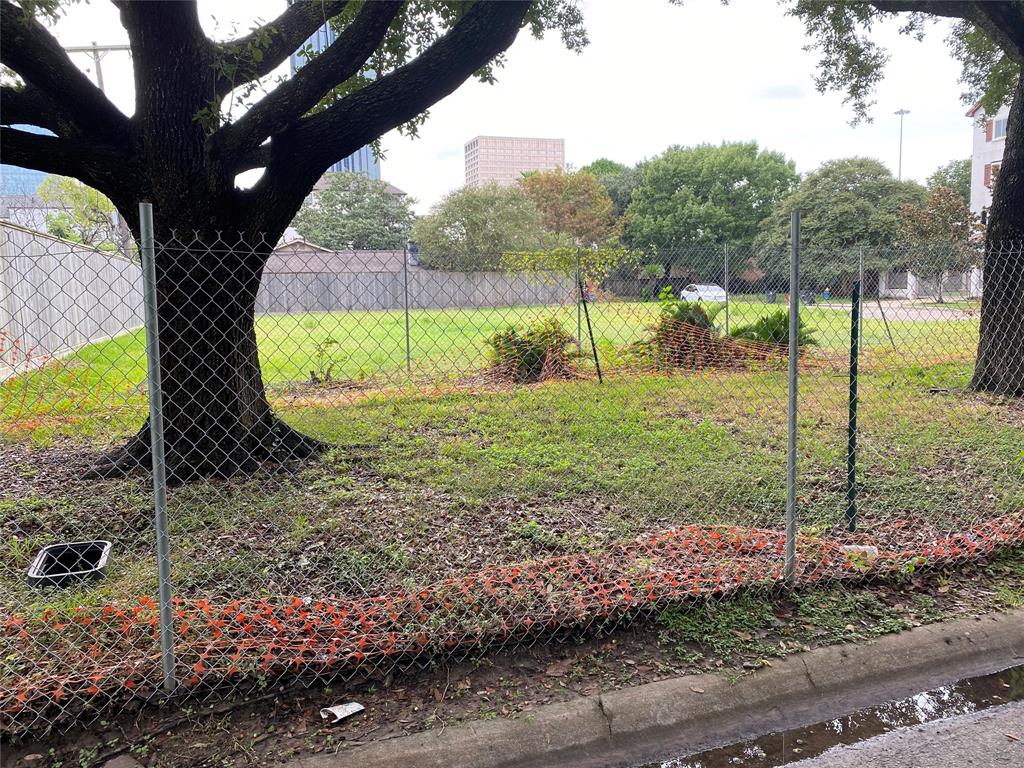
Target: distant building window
(991, 174)
(999, 128)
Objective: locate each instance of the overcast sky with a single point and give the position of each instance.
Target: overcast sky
(654, 74)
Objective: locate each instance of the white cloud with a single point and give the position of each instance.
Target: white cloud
(781, 92)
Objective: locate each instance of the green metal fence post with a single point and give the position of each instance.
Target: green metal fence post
(590, 329)
(726, 281)
(579, 298)
(851, 437)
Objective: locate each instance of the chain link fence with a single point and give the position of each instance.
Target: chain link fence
(367, 461)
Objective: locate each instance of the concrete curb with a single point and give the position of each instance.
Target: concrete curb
(630, 726)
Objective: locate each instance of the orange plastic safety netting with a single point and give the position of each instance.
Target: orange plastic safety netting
(98, 654)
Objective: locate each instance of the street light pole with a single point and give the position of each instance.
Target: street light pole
(899, 167)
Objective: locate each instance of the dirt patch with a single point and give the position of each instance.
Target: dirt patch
(25, 470)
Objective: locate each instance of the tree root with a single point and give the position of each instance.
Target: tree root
(232, 456)
(133, 456)
(1003, 383)
(296, 444)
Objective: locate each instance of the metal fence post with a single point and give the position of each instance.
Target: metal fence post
(579, 295)
(726, 246)
(851, 436)
(156, 432)
(794, 354)
(590, 329)
(860, 269)
(405, 304)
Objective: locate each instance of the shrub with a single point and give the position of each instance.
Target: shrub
(533, 353)
(684, 335)
(690, 312)
(774, 329)
(324, 361)
(654, 271)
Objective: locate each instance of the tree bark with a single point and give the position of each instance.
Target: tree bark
(178, 154)
(217, 420)
(1000, 362)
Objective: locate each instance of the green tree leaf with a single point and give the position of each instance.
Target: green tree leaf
(355, 212)
(472, 227)
(707, 195)
(956, 175)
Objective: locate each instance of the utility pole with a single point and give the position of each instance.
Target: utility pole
(899, 168)
(97, 52)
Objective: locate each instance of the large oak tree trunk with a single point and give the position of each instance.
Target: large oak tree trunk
(217, 420)
(1000, 362)
(178, 153)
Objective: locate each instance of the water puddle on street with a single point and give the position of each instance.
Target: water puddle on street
(961, 698)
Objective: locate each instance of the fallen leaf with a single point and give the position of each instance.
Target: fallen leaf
(558, 669)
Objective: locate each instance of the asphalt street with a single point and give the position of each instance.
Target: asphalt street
(993, 738)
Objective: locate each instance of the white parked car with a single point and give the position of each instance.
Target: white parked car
(694, 292)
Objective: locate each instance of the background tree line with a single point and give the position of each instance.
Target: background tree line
(679, 207)
(672, 214)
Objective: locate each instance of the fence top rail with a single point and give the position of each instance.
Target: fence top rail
(7, 224)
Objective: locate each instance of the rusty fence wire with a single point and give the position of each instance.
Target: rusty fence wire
(376, 459)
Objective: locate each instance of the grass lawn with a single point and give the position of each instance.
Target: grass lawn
(971, 304)
(99, 391)
(423, 487)
(558, 467)
(430, 483)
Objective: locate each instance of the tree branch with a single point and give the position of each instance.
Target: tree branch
(30, 50)
(172, 55)
(1002, 20)
(300, 154)
(259, 157)
(95, 164)
(1004, 23)
(29, 106)
(276, 40)
(948, 8)
(289, 101)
